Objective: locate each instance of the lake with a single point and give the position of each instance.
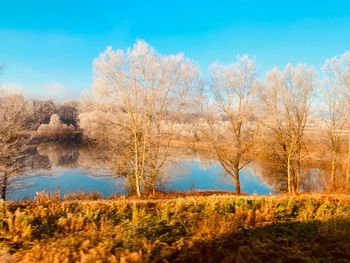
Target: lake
(66, 169)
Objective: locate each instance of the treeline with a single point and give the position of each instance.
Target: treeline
(142, 102)
(139, 98)
(42, 110)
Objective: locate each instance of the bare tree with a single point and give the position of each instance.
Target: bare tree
(285, 99)
(139, 96)
(42, 110)
(13, 147)
(68, 112)
(337, 70)
(230, 126)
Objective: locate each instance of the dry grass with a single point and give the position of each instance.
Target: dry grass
(306, 228)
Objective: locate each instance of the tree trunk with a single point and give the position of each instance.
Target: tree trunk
(332, 172)
(4, 188)
(236, 182)
(136, 168)
(153, 188)
(297, 174)
(347, 180)
(289, 176)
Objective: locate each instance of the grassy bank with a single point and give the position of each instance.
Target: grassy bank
(192, 229)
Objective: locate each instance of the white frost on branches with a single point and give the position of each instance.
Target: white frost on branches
(55, 126)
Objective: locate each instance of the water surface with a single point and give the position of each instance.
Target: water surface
(72, 169)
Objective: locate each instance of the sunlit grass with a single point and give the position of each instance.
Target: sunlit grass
(219, 228)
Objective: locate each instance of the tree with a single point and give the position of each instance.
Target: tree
(285, 101)
(68, 113)
(55, 127)
(139, 96)
(42, 112)
(230, 126)
(13, 144)
(337, 97)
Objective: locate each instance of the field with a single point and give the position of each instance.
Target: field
(218, 228)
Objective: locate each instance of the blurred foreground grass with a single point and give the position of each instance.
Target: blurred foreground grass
(306, 228)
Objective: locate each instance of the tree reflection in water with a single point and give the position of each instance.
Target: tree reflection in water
(67, 167)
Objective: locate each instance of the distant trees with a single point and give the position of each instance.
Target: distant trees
(285, 100)
(54, 127)
(42, 110)
(143, 95)
(68, 113)
(230, 125)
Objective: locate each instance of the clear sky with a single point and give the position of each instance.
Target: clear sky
(48, 46)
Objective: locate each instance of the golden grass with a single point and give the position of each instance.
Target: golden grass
(218, 228)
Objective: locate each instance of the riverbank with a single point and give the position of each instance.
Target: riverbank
(225, 228)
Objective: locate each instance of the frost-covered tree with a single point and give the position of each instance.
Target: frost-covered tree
(138, 96)
(55, 126)
(14, 111)
(42, 110)
(338, 71)
(230, 127)
(337, 91)
(285, 100)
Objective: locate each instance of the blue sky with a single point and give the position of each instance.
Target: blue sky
(48, 46)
